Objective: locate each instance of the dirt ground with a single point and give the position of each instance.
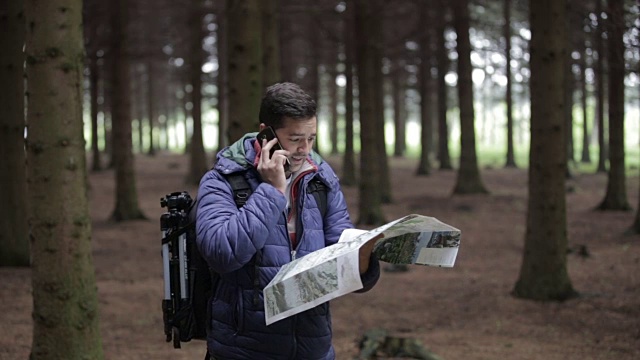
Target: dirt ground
(465, 312)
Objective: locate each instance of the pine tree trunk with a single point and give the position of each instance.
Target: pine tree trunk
(426, 137)
(223, 84)
(244, 51)
(370, 191)
(349, 162)
(151, 106)
(126, 193)
(599, 79)
(271, 42)
(585, 156)
(65, 305)
(197, 159)
(312, 78)
(442, 58)
(399, 120)
(14, 242)
(569, 85)
(93, 94)
(379, 96)
(333, 110)
(511, 161)
(635, 228)
(543, 273)
(139, 109)
(616, 196)
(468, 180)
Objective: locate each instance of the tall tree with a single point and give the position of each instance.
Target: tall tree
(543, 273)
(585, 156)
(126, 207)
(511, 161)
(635, 227)
(14, 243)
(332, 103)
(569, 84)
(197, 158)
(244, 50)
(271, 42)
(398, 81)
(616, 196)
(348, 162)
(223, 84)
(442, 58)
(367, 31)
(599, 80)
(424, 84)
(90, 16)
(93, 95)
(151, 104)
(65, 304)
(468, 179)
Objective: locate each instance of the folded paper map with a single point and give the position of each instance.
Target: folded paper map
(333, 271)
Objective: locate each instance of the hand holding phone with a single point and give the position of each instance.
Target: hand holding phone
(269, 134)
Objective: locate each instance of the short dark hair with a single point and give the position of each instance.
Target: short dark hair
(285, 100)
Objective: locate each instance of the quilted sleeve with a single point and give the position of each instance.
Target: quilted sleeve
(228, 237)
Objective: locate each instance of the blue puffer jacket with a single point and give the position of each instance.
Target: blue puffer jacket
(248, 246)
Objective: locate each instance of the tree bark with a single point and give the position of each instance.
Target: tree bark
(349, 162)
(586, 155)
(333, 109)
(377, 39)
(635, 227)
(223, 84)
(569, 84)
(616, 196)
(424, 83)
(245, 66)
(151, 106)
(126, 194)
(600, 82)
(468, 179)
(442, 57)
(271, 42)
(511, 161)
(14, 242)
(65, 304)
(93, 94)
(197, 157)
(398, 80)
(370, 191)
(543, 273)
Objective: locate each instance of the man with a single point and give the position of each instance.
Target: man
(279, 222)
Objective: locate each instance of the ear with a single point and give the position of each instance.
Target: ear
(262, 126)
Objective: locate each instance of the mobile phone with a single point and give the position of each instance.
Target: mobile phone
(269, 134)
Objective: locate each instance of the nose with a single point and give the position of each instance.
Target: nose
(305, 146)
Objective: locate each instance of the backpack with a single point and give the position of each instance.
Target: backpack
(188, 280)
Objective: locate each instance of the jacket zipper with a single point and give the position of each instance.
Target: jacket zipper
(293, 201)
(294, 251)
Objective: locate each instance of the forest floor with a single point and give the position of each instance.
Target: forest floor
(465, 312)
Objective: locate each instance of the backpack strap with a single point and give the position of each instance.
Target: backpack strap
(319, 191)
(240, 186)
(241, 192)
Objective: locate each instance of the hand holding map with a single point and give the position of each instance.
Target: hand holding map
(335, 270)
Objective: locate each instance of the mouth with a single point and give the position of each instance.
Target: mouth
(297, 159)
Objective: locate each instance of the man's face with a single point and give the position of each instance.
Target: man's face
(297, 136)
